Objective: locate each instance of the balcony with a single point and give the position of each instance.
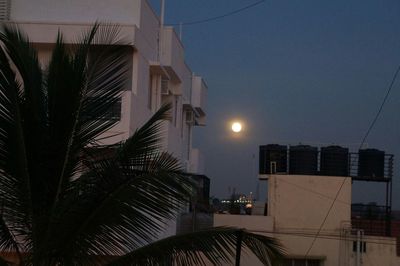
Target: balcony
(172, 54)
(199, 95)
(196, 164)
(374, 219)
(364, 170)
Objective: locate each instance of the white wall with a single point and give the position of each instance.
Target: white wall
(379, 251)
(196, 162)
(299, 205)
(249, 222)
(77, 11)
(302, 201)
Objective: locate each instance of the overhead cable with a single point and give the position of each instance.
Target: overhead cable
(218, 17)
(361, 145)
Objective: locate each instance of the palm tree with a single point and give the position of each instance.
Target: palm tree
(66, 200)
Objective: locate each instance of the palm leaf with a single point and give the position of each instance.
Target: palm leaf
(99, 67)
(127, 198)
(76, 74)
(4, 262)
(8, 240)
(15, 185)
(216, 245)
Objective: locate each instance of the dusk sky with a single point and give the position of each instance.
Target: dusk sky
(310, 72)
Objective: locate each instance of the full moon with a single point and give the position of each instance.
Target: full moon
(236, 127)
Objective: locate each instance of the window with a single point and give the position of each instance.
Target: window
(175, 111)
(113, 113)
(164, 86)
(301, 262)
(150, 92)
(5, 6)
(363, 246)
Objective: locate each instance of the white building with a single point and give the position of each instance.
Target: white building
(159, 72)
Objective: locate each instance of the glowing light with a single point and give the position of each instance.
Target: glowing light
(236, 127)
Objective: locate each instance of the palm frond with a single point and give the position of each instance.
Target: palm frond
(15, 185)
(216, 245)
(146, 140)
(76, 75)
(108, 64)
(97, 75)
(32, 108)
(4, 262)
(25, 58)
(8, 241)
(129, 195)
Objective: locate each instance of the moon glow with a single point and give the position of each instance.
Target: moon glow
(236, 127)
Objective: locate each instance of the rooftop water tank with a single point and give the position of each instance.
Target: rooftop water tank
(371, 163)
(273, 159)
(334, 161)
(303, 160)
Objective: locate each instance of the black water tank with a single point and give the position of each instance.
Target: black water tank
(334, 161)
(273, 159)
(303, 160)
(371, 163)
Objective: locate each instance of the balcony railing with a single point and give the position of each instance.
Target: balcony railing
(384, 171)
(359, 167)
(375, 220)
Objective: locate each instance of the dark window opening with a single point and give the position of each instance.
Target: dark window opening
(363, 246)
(113, 113)
(301, 262)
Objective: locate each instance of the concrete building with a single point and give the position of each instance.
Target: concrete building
(297, 206)
(159, 73)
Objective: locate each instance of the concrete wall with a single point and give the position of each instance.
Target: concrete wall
(379, 251)
(301, 201)
(199, 97)
(249, 222)
(77, 11)
(42, 19)
(257, 224)
(196, 162)
(299, 205)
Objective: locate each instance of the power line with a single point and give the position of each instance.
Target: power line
(381, 107)
(218, 17)
(362, 143)
(324, 236)
(325, 218)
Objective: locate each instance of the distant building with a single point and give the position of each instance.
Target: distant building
(304, 193)
(159, 73)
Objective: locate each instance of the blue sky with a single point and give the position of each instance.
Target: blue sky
(312, 72)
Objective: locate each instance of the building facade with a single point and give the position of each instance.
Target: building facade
(158, 72)
(310, 210)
